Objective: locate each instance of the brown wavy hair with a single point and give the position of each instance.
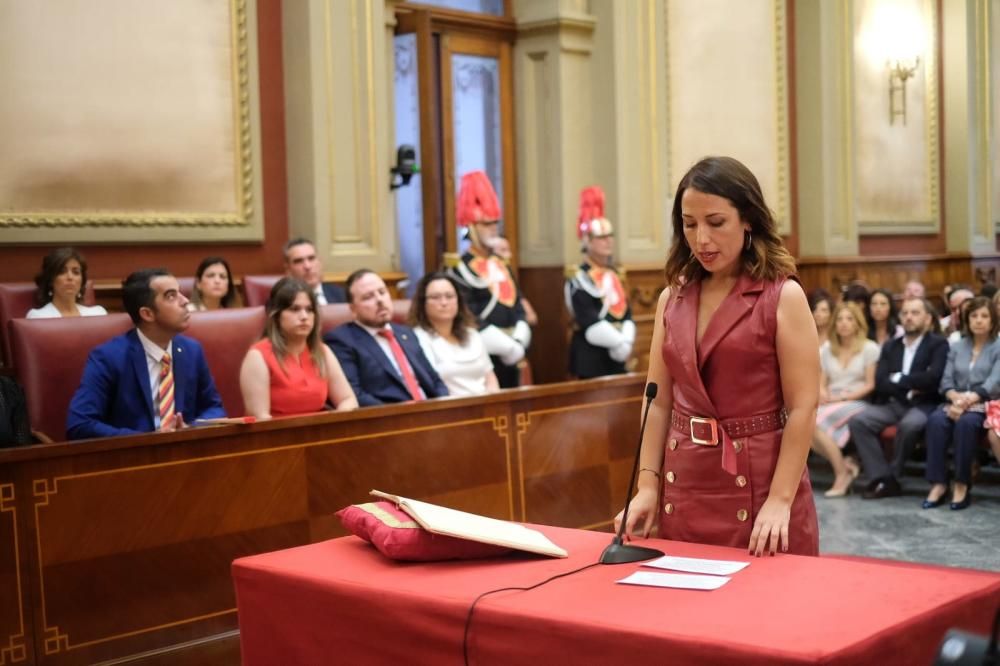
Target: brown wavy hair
(766, 259)
(283, 295)
(52, 266)
(418, 308)
(979, 303)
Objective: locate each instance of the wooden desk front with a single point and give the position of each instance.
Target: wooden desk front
(113, 547)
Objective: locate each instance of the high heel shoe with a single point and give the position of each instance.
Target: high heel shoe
(964, 504)
(932, 504)
(852, 468)
(841, 492)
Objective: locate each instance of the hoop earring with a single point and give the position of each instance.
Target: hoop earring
(749, 242)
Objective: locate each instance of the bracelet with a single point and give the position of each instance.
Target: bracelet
(647, 469)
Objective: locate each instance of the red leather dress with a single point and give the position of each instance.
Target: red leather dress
(712, 493)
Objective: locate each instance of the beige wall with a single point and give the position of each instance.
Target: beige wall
(338, 101)
(628, 93)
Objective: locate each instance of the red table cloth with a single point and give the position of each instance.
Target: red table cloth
(340, 601)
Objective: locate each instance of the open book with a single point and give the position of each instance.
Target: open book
(462, 525)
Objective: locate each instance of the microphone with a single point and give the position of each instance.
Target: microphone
(960, 648)
(618, 552)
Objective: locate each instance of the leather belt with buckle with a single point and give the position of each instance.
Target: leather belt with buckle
(707, 431)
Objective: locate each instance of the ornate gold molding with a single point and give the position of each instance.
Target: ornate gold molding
(782, 161)
(903, 224)
(244, 166)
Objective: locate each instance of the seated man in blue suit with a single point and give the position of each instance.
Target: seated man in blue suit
(150, 378)
(302, 262)
(383, 361)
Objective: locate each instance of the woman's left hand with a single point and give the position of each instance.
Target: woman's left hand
(770, 527)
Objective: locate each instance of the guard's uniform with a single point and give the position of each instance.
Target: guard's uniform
(595, 295)
(488, 284)
(603, 332)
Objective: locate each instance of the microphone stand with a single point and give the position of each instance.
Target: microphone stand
(617, 551)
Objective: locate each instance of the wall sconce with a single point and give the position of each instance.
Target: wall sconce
(893, 36)
(899, 72)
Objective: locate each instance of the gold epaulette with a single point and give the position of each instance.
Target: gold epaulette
(452, 259)
(570, 271)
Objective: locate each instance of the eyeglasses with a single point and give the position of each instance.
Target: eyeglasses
(442, 297)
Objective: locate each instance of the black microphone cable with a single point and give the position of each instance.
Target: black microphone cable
(468, 618)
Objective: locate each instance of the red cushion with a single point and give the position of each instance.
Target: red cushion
(399, 537)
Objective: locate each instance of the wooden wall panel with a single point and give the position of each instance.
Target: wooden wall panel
(933, 270)
(566, 475)
(549, 352)
(126, 543)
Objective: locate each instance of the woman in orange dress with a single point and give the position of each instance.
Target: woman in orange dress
(290, 371)
(723, 458)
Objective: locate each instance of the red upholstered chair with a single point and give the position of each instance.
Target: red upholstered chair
(401, 310)
(49, 356)
(333, 315)
(226, 335)
(187, 285)
(16, 298)
(256, 289)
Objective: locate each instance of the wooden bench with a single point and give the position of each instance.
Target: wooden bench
(114, 547)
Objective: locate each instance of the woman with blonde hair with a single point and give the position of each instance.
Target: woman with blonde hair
(290, 371)
(847, 377)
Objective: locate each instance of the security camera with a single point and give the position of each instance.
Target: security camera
(406, 166)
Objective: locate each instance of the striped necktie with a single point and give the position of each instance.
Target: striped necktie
(166, 390)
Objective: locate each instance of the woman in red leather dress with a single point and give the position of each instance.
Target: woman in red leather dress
(734, 354)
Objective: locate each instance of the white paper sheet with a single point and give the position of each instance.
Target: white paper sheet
(679, 581)
(697, 565)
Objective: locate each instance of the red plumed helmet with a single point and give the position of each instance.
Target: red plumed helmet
(477, 201)
(591, 221)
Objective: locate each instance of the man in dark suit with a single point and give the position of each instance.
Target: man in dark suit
(383, 361)
(302, 262)
(151, 378)
(906, 390)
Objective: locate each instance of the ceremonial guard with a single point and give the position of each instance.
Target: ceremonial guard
(486, 279)
(603, 328)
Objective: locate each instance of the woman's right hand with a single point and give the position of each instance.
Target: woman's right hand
(641, 512)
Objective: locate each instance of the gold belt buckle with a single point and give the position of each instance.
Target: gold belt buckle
(704, 421)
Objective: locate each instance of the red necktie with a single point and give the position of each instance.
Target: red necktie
(404, 365)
